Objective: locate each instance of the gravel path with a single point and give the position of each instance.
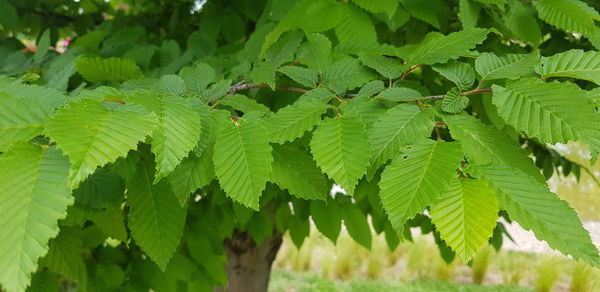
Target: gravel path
(526, 241)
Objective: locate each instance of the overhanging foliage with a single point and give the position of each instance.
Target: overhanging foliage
(129, 155)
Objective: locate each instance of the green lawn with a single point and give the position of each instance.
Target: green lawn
(285, 281)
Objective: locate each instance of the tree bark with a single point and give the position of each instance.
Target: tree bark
(249, 264)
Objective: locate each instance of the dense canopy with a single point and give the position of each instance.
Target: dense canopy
(158, 144)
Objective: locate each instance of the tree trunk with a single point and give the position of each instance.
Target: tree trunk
(248, 264)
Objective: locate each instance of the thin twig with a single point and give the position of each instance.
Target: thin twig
(433, 96)
(438, 135)
(476, 91)
(246, 86)
(405, 74)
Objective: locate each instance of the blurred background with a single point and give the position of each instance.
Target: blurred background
(523, 264)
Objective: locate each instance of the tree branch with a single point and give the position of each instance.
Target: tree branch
(246, 86)
(477, 91)
(405, 74)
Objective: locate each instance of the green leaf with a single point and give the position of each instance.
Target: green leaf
(453, 102)
(244, 104)
(327, 216)
(357, 47)
(171, 84)
(364, 108)
(110, 69)
(500, 3)
(439, 48)
(371, 88)
(270, 35)
(260, 226)
(34, 195)
(357, 225)
(468, 13)
(293, 120)
(42, 47)
(316, 52)
(322, 94)
(530, 203)
(216, 90)
(431, 11)
(398, 18)
(304, 76)
(553, 112)
(461, 74)
(52, 98)
(101, 190)
(521, 21)
(571, 16)
(197, 78)
(465, 215)
(93, 135)
(64, 255)
(112, 223)
(511, 66)
(296, 171)
(60, 72)
(285, 48)
(242, 159)
(265, 73)
(355, 25)
(594, 95)
(388, 67)
(484, 144)
(399, 94)
(43, 280)
(20, 119)
(396, 128)
(340, 147)
(416, 178)
(156, 220)
(178, 131)
(9, 18)
(378, 6)
(299, 230)
(191, 174)
(574, 64)
(320, 15)
(203, 250)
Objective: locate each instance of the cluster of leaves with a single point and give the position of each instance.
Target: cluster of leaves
(125, 167)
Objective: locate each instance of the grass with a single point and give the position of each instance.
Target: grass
(584, 278)
(583, 195)
(513, 268)
(481, 264)
(548, 271)
(322, 266)
(286, 281)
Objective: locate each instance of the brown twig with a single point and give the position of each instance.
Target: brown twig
(438, 135)
(477, 91)
(405, 74)
(245, 86)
